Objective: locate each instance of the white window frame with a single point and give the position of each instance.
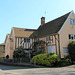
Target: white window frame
(27, 40)
(51, 49)
(71, 36)
(65, 50)
(72, 21)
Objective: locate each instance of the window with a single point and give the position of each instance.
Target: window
(7, 41)
(65, 50)
(26, 40)
(71, 36)
(48, 38)
(51, 49)
(72, 21)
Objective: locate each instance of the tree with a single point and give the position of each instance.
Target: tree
(39, 47)
(71, 49)
(42, 44)
(19, 53)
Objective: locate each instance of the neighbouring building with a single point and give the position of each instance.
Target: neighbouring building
(17, 37)
(2, 49)
(56, 33)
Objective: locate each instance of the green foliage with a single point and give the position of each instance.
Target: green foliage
(66, 61)
(34, 53)
(71, 49)
(47, 59)
(40, 44)
(19, 53)
(2, 56)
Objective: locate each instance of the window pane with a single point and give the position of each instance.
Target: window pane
(71, 36)
(28, 40)
(71, 21)
(65, 50)
(48, 38)
(24, 39)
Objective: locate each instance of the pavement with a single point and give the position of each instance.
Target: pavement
(14, 70)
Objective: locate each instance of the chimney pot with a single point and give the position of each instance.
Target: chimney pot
(42, 21)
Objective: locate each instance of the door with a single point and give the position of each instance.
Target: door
(51, 49)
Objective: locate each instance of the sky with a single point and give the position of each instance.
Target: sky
(28, 13)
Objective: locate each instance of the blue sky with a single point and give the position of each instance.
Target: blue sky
(27, 13)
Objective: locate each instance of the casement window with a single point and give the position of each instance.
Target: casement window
(48, 39)
(51, 49)
(65, 50)
(26, 40)
(71, 36)
(72, 21)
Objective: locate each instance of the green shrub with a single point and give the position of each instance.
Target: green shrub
(71, 49)
(19, 53)
(34, 53)
(66, 61)
(2, 56)
(47, 59)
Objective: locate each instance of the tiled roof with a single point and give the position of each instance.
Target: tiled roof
(51, 27)
(21, 32)
(8, 35)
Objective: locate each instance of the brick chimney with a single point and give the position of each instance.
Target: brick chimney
(42, 21)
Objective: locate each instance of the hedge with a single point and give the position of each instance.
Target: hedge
(2, 56)
(46, 59)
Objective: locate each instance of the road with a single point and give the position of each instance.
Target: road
(12, 70)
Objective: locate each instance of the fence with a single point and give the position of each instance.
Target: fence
(16, 60)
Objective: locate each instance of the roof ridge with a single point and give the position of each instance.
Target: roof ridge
(59, 17)
(51, 27)
(24, 28)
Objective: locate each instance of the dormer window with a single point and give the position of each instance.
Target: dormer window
(72, 21)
